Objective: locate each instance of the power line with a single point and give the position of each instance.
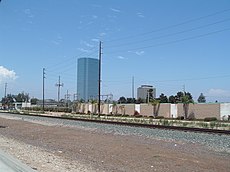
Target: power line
(175, 41)
(171, 26)
(57, 65)
(171, 34)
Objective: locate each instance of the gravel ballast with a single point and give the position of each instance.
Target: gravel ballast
(106, 147)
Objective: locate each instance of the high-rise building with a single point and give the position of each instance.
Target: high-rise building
(143, 91)
(87, 78)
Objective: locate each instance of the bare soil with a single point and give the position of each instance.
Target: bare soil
(60, 148)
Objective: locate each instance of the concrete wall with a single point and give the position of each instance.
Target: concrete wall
(224, 111)
(147, 110)
(201, 111)
(105, 109)
(165, 110)
(173, 110)
(129, 109)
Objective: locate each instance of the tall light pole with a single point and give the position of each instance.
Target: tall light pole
(99, 80)
(43, 90)
(5, 89)
(59, 84)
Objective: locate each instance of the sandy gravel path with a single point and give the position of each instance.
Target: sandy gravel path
(60, 148)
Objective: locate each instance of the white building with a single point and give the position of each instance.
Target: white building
(143, 91)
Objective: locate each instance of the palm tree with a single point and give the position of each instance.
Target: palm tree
(114, 106)
(122, 107)
(186, 101)
(156, 106)
(94, 106)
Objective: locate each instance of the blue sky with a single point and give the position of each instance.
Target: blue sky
(168, 44)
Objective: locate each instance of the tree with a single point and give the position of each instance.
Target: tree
(122, 100)
(149, 96)
(156, 106)
(34, 101)
(201, 98)
(122, 107)
(163, 98)
(179, 96)
(94, 106)
(140, 100)
(130, 100)
(114, 108)
(22, 97)
(186, 100)
(172, 99)
(8, 101)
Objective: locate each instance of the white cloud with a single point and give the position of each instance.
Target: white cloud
(87, 44)
(95, 40)
(57, 41)
(140, 15)
(28, 13)
(115, 10)
(94, 16)
(83, 50)
(121, 57)
(102, 34)
(6, 74)
(218, 92)
(139, 53)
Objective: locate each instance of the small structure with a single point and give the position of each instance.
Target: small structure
(144, 90)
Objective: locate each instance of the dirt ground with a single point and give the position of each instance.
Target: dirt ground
(59, 148)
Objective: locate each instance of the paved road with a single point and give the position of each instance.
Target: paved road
(10, 164)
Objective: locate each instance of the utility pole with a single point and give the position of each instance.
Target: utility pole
(59, 84)
(67, 96)
(75, 96)
(184, 88)
(99, 80)
(43, 89)
(133, 87)
(5, 89)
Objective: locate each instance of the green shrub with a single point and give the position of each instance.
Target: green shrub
(137, 116)
(212, 125)
(165, 122)
(207, 119)
(125, 115)
(205, 125)
(180, 118)
(159, 117)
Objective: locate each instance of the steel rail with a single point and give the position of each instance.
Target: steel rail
(153, 126)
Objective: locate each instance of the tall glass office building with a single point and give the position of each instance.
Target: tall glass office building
(87, 78)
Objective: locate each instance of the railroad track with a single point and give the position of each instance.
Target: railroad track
(185, 129)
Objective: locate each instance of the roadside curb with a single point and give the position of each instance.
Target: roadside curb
(9, 162)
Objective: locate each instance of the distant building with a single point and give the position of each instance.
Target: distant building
(142, 91)
(87, 78)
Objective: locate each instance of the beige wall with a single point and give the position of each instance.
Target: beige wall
(105, 109)
(201, 110)
(147, 110)
(129, 109)
(165, 110)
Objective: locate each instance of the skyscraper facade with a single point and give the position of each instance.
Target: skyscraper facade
(87, 78)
